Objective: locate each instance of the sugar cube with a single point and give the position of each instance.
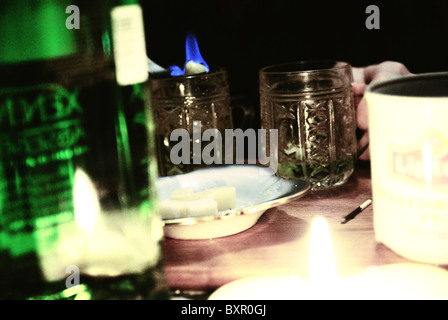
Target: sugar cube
(172, 209)
(225, 197)
(182, 194)
(201, 207)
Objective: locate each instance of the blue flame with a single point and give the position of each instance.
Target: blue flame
(192, 51)
(176, 71)
(192, 54)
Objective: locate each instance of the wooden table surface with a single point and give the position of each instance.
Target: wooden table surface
(279, 242)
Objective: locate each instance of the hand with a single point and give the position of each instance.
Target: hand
(363, 77)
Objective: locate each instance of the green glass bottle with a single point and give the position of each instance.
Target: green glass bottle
(78, 209)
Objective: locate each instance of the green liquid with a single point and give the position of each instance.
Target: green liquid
(320, 175)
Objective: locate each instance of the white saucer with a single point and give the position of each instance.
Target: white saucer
(257, 189)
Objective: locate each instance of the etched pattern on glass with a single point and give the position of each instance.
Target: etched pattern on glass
(316, 137)
(212, 113)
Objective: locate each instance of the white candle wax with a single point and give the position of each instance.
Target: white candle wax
(393, 282)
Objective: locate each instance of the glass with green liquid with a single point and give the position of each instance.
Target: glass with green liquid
(311, 105)
(78, 209)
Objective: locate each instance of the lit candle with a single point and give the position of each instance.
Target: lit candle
(86, 203)
(394, 281)
(100, 243)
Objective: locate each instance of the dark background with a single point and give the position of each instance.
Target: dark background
(245, 35)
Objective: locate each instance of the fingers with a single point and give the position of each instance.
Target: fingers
(363, 147)
(362, 115)
(358, 88)
(364, 76)
(361, 78)
(358, 75)
(384, 70)
(365, 155)
(377, 72)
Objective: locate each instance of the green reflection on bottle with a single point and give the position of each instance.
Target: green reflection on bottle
(21, 36)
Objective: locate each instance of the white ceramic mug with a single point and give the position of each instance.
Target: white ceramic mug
(408, 133)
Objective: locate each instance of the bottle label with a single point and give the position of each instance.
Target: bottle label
(40, 134)
(129, 44)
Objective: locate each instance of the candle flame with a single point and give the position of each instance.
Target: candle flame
(86, 203)
(322, 262)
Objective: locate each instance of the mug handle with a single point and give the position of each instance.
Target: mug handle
(243, 113)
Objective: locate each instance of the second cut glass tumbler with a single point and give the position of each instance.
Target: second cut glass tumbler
(311, 105)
